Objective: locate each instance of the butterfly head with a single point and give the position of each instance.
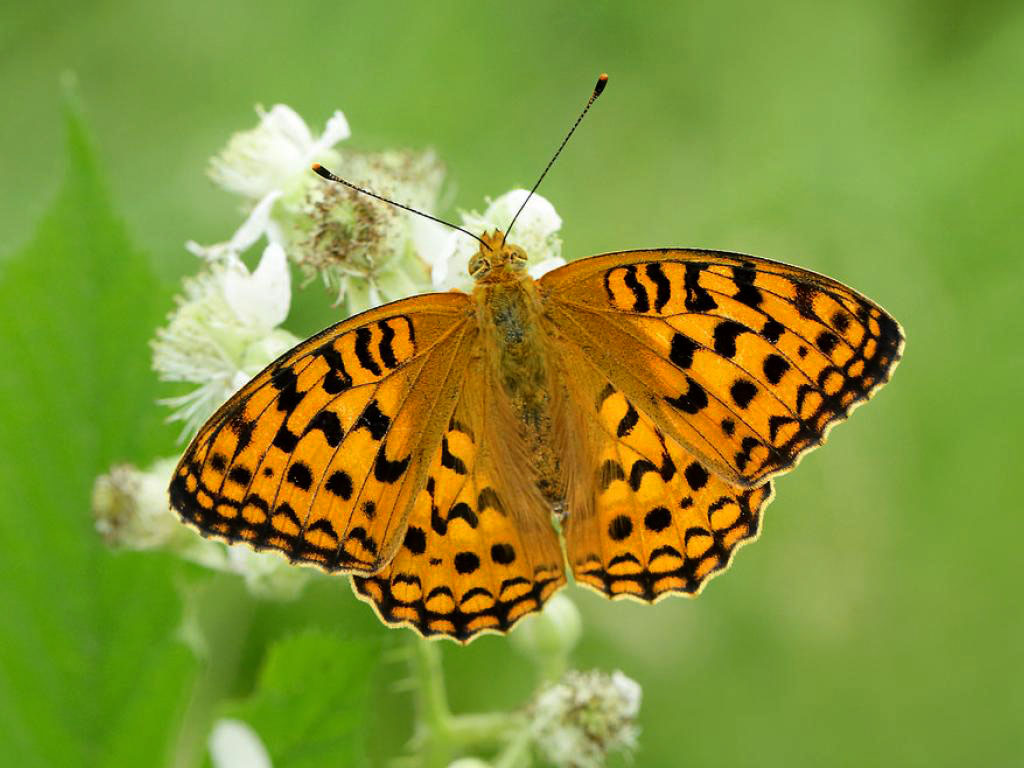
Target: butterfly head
(497, 261)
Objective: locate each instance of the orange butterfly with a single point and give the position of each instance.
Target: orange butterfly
(640, 401)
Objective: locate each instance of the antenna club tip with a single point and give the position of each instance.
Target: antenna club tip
(602, 81)
(319, 170)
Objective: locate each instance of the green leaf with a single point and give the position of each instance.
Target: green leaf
(310, 707)
(90, 673)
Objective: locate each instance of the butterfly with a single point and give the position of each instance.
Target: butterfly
(635, 404)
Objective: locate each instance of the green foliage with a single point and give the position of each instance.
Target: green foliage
(90, 674)
(309, 706)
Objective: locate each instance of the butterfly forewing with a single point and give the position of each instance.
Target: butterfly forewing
(321, 455)
(744, 361)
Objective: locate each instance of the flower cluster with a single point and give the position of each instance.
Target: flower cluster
(577, 721)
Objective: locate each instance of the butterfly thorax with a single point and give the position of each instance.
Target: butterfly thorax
(512, 341)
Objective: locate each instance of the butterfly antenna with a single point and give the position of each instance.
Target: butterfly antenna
(602, 81)
(324, 173)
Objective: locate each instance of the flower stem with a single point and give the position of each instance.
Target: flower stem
(440, 735)
(223, 610)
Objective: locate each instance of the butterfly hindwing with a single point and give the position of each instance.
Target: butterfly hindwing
(321, 455)
(745, 362)
(650, 519)
(479, 551)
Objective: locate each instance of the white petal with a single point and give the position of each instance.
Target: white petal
(234, 744)
(287, 124)
(260, 299)
(439, 259)
(539, 214)
(251, 230)
(336, 130)
(537, 271)
(430, 240)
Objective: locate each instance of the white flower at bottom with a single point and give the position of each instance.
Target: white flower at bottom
(223, 332)
(535, 231)
(234, 744)
(579, 720)
(276, 154)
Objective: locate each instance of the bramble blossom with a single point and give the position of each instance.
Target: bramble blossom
(535, 231)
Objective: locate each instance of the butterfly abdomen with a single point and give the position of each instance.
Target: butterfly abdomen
(514, 346)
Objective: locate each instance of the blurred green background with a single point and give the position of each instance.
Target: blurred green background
(878, 620)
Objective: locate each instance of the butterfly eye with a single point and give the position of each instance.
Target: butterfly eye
(479, 266)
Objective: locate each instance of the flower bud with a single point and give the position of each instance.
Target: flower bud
(553, 632)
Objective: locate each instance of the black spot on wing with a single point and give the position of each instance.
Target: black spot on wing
(620, 528)
(386, 470)
(696, 476)
(664, 288)
(503, 554)
(240, 475)
(340, 484)
(337, 378)
(827, 341)
(742, 392)
(328, 423)
(488, 499)
(464, 511)
(609, 472)
(805, 300)
(450, 460)
(682, 350)
(640, 301)
(772, 330)
(694, 400)
(628, 421)
(697, 298)
(285, 439)
(748, 293)
(726, 333)
(300, 476)
(775, 366)
(415, 540)
(636, 473)
(385, 348)
(373, 419)
(466, 562)
(658, 519)
(363, 337)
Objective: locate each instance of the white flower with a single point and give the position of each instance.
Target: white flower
(366, 251)
(535, 231)
(234, 744)
(579, 720)
(224, 331)
(275, 154)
